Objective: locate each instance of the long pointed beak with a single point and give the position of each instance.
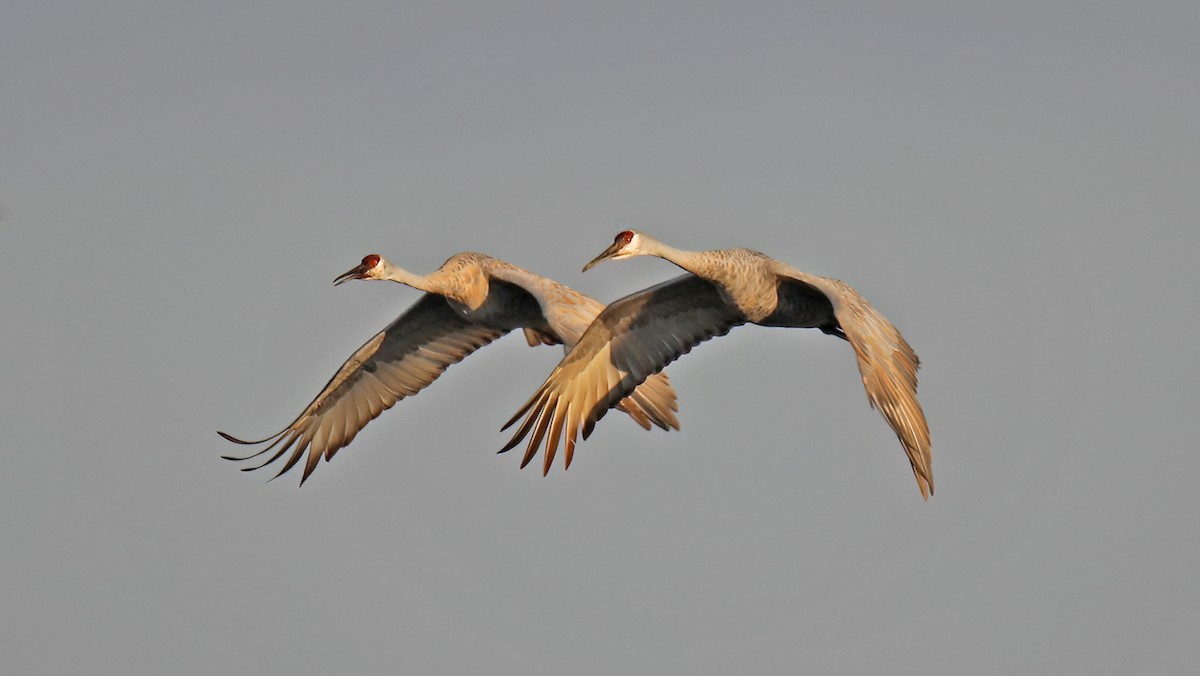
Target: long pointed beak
(608, 253)
(355, 273)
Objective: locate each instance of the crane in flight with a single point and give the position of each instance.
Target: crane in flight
(471, 300)
(637, 336)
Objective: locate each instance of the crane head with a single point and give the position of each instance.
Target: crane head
(371, 267)
(624, 245)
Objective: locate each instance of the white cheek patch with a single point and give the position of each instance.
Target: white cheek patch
(628, 247)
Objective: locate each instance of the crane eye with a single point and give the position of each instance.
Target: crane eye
(370, 260)
(624, 237)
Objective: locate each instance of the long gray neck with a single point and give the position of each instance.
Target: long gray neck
(397, 274)
(684, 259)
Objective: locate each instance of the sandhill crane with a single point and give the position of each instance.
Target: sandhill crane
(640, 334)
(470, 301)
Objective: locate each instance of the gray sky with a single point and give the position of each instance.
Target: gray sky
(1013, 184)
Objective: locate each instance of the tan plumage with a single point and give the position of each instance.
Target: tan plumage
(640, 334)
(470, 301)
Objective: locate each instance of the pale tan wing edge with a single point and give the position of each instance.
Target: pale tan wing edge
(630, 340)
(397, 362)
(569, 313)
(888, 367)
(652, 403)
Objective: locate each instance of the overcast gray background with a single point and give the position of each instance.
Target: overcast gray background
(1016, 185)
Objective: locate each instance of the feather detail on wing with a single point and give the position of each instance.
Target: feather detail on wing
(628, 342)
(397, 362)
(888, 367)
(569, 313)
(652, 402)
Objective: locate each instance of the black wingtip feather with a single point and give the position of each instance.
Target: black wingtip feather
(230, 437)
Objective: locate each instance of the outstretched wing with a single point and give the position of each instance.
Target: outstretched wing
(629, 341)
(887, 364)
(397, 362)
(569, 313)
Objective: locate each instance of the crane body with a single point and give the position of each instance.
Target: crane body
(471, 300)
(637, 336)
